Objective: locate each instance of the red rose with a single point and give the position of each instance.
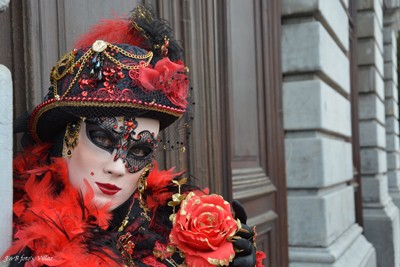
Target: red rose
(168, 77)
(201, 230)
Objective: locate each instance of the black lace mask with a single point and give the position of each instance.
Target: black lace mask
(135, 149)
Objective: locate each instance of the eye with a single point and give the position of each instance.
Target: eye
(101, 139)
(140, 151)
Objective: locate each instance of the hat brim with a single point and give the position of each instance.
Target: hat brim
(51, 116)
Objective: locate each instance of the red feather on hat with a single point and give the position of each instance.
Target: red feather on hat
(116, 31)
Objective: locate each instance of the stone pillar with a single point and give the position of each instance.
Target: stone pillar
(392, 102)
(6, 148)
(317, 121)
(381, 216)
(6, 152)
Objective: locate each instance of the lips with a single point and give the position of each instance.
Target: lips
(108, 189)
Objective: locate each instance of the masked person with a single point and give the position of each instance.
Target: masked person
(88, 192)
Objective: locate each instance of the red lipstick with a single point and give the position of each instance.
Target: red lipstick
(108, 189)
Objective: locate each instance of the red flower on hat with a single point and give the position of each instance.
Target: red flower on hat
(201, 230)
(168, 77)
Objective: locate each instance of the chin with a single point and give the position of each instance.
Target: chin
(101, 202)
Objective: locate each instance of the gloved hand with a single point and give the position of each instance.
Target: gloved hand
(244, 245)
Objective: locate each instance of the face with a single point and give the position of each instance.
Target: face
(111, 154)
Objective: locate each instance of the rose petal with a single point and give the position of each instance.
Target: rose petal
(223, 255)
(166, 65)
(197, 261)
(147, 78)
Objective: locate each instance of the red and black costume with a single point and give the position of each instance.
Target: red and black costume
(56, 225)
(123, 67)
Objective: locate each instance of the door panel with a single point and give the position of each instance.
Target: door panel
(254, 123)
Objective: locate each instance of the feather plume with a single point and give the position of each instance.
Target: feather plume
(155, 30)
(61, 224)
(158, 183)
(143, 29)
(160, 179)
(116, 31)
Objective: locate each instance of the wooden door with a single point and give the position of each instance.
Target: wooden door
(255, 116)
(38, 33)
(233, 51)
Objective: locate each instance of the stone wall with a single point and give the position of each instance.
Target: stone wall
(378, 138)
(5, 158)
(317, 121)
(6, 123)
(392, 102)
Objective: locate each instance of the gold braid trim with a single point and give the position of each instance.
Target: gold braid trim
(67, 61)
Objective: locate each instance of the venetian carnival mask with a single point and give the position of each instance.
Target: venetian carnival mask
(110, 153)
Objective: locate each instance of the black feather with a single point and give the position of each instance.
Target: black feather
(154, 30)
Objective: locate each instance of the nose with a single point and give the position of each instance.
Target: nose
(115, 167)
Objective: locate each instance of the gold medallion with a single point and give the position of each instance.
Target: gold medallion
(99, 46)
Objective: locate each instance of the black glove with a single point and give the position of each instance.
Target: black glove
(244, 245)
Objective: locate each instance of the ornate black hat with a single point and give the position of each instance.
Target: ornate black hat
(122, 67)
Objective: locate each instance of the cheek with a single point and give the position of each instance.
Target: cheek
(85, 163)
(129, 182)
(79, 169)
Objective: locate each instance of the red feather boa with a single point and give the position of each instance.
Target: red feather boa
(55, 223)
(55, 226)
(157, 182)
